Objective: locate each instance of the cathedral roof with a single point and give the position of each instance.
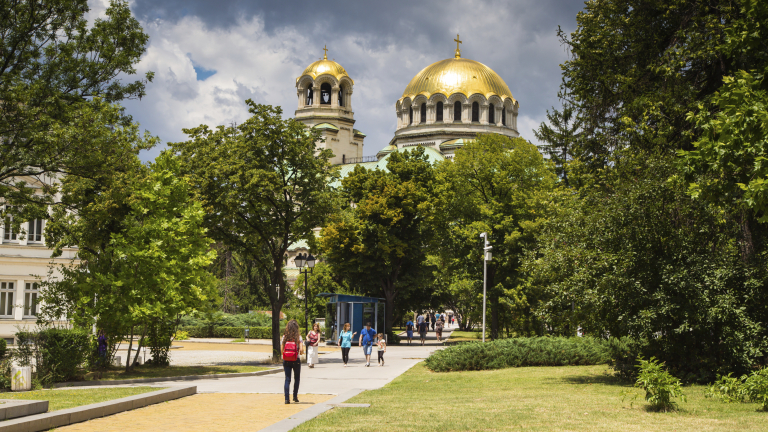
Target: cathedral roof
(325, 67)
(457, 75)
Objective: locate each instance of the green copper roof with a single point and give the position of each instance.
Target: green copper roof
(326, 126)
(357, 132)
(301, 244)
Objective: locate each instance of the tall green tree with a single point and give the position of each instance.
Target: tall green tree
(639, 67)
(143, 255)
(380, 242)
(560, 137)
(265, 186)
(52, 63)
(495, 185)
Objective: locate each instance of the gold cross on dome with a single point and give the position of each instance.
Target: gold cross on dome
(325, 54)
(458, 41)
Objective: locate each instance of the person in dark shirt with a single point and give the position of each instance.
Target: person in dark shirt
(423, 327)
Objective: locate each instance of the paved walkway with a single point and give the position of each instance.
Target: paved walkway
(223, 398)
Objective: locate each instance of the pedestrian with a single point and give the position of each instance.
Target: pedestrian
(432, 320)
(292, 348)
(367, 335)
(345, 342)
(382, 344)
(102, 348)
(423, 332)
(409, 331)
(439, 330)
(420, 319)
(313, 343)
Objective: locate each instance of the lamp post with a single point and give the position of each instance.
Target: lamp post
(486, 258)
(301, 260)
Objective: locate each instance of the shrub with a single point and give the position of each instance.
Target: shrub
(623, 353)
(227, 332)
(159, 339)
(755, 387)
(181, 335)
(516, 352)
(727, 389)
(3, 348)
(59, 354)
(227, 320)
(659, 385)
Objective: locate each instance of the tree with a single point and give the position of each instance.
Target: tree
(265, 186)
(495, 185)
(379, 243)
(142, 254)
(639, 67)
(52, 65)
(559, 138)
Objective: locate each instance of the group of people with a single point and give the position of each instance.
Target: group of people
(293, 349)
(423, 322)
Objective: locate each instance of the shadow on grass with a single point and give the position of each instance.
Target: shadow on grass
(604, 379)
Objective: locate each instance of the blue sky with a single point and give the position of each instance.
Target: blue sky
(209, 57)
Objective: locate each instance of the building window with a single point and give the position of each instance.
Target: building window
(30, 298)
(310, 95)
(35, 232)
(341, 97)
(423, 113)
(491, 114)
(325, 94)
(10, 235)
(457, 111)
(475, 112)
(504, 116)
(439, 113)
(410, 115)
(6, 298)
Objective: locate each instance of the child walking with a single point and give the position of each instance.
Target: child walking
(382, 348)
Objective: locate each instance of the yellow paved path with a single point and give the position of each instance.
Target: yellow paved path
(203, 412)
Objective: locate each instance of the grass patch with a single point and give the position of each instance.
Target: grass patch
(169, 371)
(466, 336)
(64, 399)
(238, 340)
(571, 398)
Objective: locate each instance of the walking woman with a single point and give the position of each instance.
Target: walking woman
(292, 350)
(313, 343)
(439, 330)
(345, 342)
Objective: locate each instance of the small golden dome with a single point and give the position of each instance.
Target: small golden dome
(457, 75)
(325, 66)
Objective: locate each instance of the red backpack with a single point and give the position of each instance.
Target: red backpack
(290, 351)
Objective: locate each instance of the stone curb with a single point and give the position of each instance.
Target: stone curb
(165, 379)
(310, 413)
(55, 419)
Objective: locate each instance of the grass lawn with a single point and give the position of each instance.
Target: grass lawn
(461, 336)
(63, 399)
(169, 371)
(576, 398)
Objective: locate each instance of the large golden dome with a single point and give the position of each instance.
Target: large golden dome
(457, 75)
(325, 66)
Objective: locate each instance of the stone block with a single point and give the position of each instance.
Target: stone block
(117, 361)
(21, 378)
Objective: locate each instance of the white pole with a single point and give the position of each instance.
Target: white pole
(485, 264)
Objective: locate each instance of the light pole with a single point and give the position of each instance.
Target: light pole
(486, 258)
(300, 261)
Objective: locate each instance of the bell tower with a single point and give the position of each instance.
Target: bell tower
(324, 91)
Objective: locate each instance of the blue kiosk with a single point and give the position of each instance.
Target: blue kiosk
(352, 309)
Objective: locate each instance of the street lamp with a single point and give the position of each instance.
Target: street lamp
(486, 258)
(301, 260)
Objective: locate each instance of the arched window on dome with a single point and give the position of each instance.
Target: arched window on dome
(475, 112)
(341, 96)
(457, 111)
(504, 116)
(491, 114)
(325, 94)
(439, 112)
(310, 95)
(423, 113)
(410, 115)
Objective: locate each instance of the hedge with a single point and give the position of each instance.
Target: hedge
(227, 332)
(504, 353)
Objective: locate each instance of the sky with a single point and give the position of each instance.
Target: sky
(210, 56)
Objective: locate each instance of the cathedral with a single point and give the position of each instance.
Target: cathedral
(444, 105)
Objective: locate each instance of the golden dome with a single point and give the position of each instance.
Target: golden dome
(325, 66)
(457, 75)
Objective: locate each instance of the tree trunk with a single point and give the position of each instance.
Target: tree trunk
(276, 352)
(128, 357)
(138, 348)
